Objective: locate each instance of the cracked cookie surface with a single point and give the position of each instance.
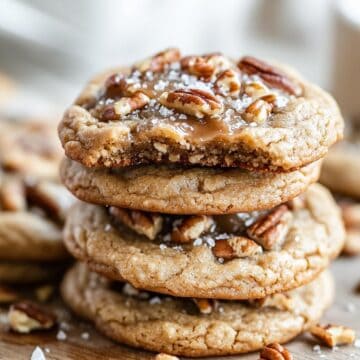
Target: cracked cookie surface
(179, 190)
(167, 324)
(201, 110)
(313, 236)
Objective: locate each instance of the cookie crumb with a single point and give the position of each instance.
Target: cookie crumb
(38, 354)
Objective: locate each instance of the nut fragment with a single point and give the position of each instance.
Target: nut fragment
(192, 102)
(8, 295)
(236, 247)
(228, 83)
(191, 228)
(255, 89)
(205, 306)
(333, 335)
(159, 61)
(258, 111)
(25, 317)
(51, 197)
(144, 223)
(269, 74)
(163, 356)
(12, 194)
(275, 352)
(270, 230)
(281, 301)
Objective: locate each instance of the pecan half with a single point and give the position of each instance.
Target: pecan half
(205, 306)
(275, 352)
(270, 230)
(228, 83)
(53, 198)
(281, 301)
(198, 103)
(271, 75)
(25, 317)
(191, 228)
(124, 106)
(12, 194)
(159, 61)
(236, 247)
(144, 223)
(332, 335)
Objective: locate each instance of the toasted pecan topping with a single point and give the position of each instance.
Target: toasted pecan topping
(228, 83)
(270, 230)
(269, 74)
(158, 62)
(280, 301)
(25, 317)
(258, 111)
(192, 101)
(191, 228)
(332, 335)
(144, 223)
(275, 352)
(236, 247)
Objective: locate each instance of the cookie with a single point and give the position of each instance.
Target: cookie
(176, 326)
(30, 148)
(201, 110)
(29, 272)
(179, 190)
(341, 169)
(242, 256)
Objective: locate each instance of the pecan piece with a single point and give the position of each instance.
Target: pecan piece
(53, 198)
(124, 106)
(332, 335)
(163, 356)
(205, 66)
(12, 194)
(192, 102)
(258, 111)
(255, 89)
(281, 301)
(275, 351)
(205, 306)
(272, 76)
(144, 223)
(25, 317)
(236, 247)
(159, 61)
(270, 230)
(228, 83)
(191, 228)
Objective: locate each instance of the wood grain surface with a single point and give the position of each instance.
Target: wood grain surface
(84, 343)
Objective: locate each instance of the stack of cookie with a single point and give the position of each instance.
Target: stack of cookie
(32, 203)
(200, 229)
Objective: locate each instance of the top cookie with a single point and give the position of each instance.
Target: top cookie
(205, 110)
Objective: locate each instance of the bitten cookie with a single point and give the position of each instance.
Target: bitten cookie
(201, 110)
(192, 327)
(181, 190)
(241, 256)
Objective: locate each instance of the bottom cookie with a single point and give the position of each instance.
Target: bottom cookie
(28, 272)
(189, 327)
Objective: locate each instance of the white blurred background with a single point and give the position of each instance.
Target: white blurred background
(51, 47)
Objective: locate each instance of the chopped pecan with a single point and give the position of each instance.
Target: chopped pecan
(163, 356)
(12, 194)
(159, 61)
(275, 352)
(258, 111)
(51, 197)
(205, 66)
(255, 89)
(124, 106)
(333, 335)
(205, 306)
(236, 247)
(191, 228)
(270, 230)
(144, 223)
(269, 74)
(228, 83)
(8, 295)
(192, 102)
(281, 301)
(25, 317)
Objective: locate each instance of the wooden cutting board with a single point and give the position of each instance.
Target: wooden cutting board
(84, 343)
